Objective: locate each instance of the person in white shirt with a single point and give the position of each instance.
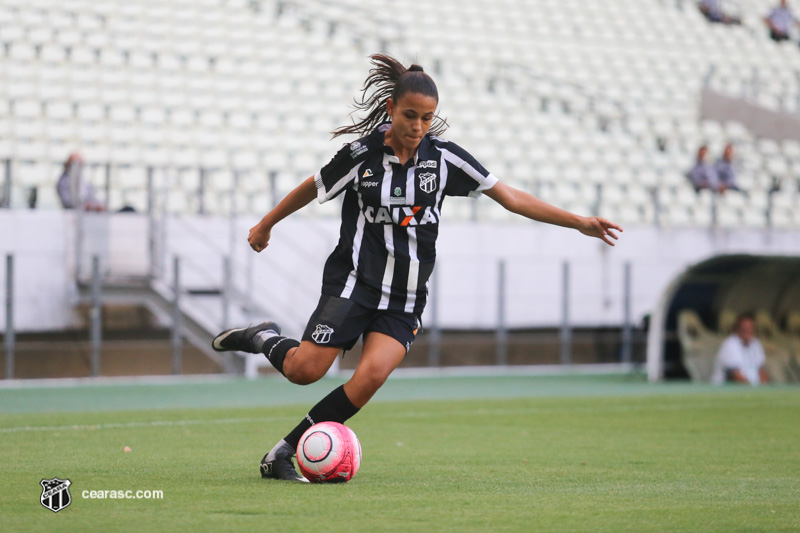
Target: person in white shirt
(780, 21)
(741, 357)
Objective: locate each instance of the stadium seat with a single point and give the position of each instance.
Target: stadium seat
(227, 79)
(699, 345)
(778, 348)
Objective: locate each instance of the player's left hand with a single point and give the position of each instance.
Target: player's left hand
(259, 236)
(600, 228)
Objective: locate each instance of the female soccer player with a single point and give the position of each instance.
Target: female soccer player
(394, 180)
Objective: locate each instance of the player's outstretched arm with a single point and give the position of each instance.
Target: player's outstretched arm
(527, 205)
(299, 197)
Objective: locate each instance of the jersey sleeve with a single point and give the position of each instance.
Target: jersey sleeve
(465, 175)
(340, 172)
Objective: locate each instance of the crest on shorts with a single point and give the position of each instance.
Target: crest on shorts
(322, 334)
(427, 182)
(55, 493)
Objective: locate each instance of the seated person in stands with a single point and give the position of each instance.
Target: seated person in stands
(73, 190)
(726, 174)
(702, 175)
(779, 21)
(741, 357)
(712, 10)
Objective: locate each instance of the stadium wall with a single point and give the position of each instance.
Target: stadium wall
(286, 278)
(761, 121)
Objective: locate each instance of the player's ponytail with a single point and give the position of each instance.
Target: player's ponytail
(388, 78)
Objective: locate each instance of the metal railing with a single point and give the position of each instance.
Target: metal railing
(434, 334)
(10, 339)
(158, 194)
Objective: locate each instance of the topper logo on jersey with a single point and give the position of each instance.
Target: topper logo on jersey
(427, 182)
(402, 216)
(426, 164)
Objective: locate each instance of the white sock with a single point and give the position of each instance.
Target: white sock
(261, 337)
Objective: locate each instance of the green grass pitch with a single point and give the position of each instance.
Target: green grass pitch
(593, 454)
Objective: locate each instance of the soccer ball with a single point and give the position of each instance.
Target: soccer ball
(329, 452)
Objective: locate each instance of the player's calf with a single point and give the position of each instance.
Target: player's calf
(309, 362)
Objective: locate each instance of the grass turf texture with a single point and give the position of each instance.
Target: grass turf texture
(607, 455)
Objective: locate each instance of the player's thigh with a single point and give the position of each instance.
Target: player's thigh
(380, 355)
(336, 322)
(309, 362)
(335, 325)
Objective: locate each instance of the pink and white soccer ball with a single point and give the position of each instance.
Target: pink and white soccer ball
(329, 452)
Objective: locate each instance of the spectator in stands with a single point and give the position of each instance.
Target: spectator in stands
(712, 10)
(780, 21)
(703, 175)
(73, 190)
(741, 357)
(726, 174)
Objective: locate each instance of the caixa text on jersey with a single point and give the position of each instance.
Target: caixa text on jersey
(403, 215)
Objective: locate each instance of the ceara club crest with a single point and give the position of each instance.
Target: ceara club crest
(322, 334)
(55, 494)
(427, 182)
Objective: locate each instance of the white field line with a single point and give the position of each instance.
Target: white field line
(149, 424)
(118, 380)
(628, 407)
(400, 373)
(513, 370)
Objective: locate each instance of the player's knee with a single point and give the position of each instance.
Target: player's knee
(373, 380)
(303, 375)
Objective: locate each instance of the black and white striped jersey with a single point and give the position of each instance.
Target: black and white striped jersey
(390, 217)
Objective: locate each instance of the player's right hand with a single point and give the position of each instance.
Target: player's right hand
(259, 237)
(599, 227)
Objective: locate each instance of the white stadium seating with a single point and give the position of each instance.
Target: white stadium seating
(555, 96)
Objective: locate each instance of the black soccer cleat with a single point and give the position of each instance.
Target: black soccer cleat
(277, 464)
(241, 339)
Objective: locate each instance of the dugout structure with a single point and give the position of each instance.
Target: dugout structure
(697, 312)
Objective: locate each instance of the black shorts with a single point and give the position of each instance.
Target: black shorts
(339, 322)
